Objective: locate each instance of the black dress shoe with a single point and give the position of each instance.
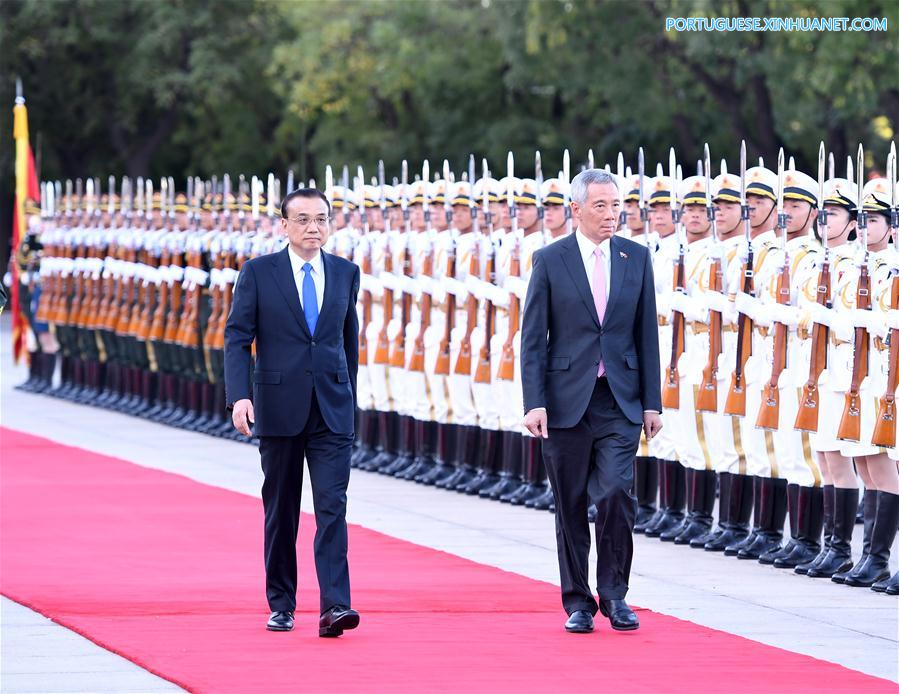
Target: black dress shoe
(621, 617)
(280, 621)
(579, 622)
(333, 622)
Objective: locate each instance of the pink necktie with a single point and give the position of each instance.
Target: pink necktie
(599, 294)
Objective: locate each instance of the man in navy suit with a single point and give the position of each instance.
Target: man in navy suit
(590, 375)
(299, 305)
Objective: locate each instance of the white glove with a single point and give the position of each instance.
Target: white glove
(841, 327)
(716, 301)
(863, 319)
(457, 288)
(785, 314)
(821, 314)
(892, 320)
(517, 286)
(751, 307)
(499, 297)
(438, 291)
(425, 284)
(388, 280)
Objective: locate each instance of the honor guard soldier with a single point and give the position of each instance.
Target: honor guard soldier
(867, 323)
(724, 437)
(770, 493)
(671, 474)
(836, 272)
(691, 326)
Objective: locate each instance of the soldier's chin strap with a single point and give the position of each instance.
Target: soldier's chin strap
(773, 208)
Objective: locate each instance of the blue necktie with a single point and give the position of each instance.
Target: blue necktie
(310, 300)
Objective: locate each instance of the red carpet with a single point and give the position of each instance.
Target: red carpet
(168, 573)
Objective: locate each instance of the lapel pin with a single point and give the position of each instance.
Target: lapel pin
(622, 254)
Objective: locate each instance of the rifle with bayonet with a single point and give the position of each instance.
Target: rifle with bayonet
(398, 351)
(506, 370)
(735, 404)
(769, 409)
(850, 422)
(442, 365)
(885, 423)
(417, 359)
(366, 262)
(707, 397)
(671, 384)
(809, 401)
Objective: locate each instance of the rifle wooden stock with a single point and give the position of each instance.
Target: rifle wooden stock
(463, 361)
(217, 340)
(707, 399)
(885, 424)
(482, 373)
(216, 294)
(769, 409)
(145, 321)
(382, 349)
(809, 401)
(157, 323)
(850, 428)
(442, 365)
(671, 384)
(398, 352)
(735, 403)
(172, 319)
(506, 369)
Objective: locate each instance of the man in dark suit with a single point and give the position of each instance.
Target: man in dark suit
(300, 307)
(590, 375)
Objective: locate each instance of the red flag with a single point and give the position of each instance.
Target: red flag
(26, 187)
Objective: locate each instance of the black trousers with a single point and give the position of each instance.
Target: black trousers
(328, 458)
(593, 462)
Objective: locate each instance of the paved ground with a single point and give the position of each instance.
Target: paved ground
(854, 627)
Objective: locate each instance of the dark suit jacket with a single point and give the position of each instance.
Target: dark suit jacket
(290, 361)
(562, 340)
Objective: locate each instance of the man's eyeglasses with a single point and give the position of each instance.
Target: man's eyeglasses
(304, 221)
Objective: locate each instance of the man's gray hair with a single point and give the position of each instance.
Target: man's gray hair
(585, 179)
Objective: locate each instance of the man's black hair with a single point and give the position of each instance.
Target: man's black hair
(303, 193)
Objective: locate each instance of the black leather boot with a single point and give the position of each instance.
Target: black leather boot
(675, 530)
(868, 505)
(828, 499)
(660, 474)
(756, 498)
(889, 586)
(34, 366)
(534, 473)
(699, 523)
(544, 502)
(875, 567)
(205, 412)
(838, 558)
(425, 442)
(405, 457)
(490, 451)
(646, 489)
(444, 456)
(793, 514)
(466, 454)
(724, 484)
(510, 466)
(193, 407)
(675, 479)
(388, 441)
(773, 516)
(216, 409)
(369, 440)
(811, 523)
(47, 371)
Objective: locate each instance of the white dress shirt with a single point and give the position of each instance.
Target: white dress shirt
(318, 275)
(588, 250)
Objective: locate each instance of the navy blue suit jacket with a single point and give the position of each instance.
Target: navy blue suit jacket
(290, 360)
(562, 339)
